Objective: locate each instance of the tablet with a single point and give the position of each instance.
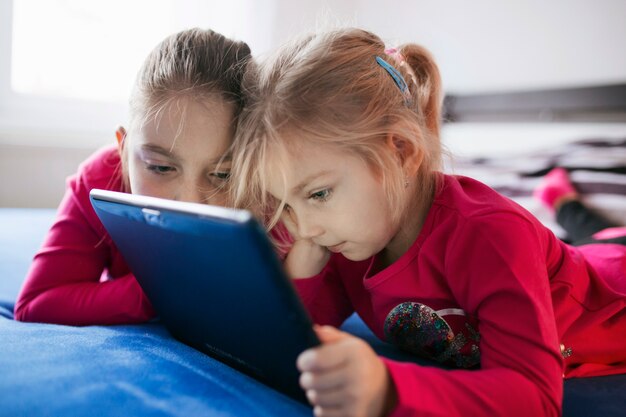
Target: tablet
(215, 281)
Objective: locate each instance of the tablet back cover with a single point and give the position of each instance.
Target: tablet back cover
(216, 283)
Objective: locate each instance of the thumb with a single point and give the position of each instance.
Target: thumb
(329, 334)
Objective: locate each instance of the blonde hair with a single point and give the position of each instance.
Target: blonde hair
(192, 64)
(329, 89)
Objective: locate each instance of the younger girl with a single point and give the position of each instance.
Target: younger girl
(341, 141)
(183, 111)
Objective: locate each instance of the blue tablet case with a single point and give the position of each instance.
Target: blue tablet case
(215, 280)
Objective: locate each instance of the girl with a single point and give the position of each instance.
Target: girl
(341, 141)
(182, 116)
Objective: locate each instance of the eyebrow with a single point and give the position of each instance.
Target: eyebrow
(298, 188)
(158, 149)
(169, 154)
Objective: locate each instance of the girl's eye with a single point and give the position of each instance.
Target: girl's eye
(160, 169)
(321, 195)
(223, 176)
(219, 179)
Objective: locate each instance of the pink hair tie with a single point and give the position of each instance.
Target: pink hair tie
(397, 55)
(394, 53)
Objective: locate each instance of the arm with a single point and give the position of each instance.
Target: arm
(325, 296)
(497, 271)
(505, 284)
(314, 274)
(63, 284)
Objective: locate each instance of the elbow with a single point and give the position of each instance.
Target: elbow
(553, 407)
(25, 310)
(20, 312)
(551, 397)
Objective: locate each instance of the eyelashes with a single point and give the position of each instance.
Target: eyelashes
(216, 177)
(219, 178)
(160, 169)
(321, 195)
(224, 176)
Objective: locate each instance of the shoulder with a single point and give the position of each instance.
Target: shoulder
(103, 165)
(468, 195)
(489, 244)
(476, 211)
(475, 201)
(102, 169)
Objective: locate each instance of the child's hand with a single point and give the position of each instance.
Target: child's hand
(345, 377)
(305, 258)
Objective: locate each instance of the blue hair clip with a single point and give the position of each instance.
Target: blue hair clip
(397, 77)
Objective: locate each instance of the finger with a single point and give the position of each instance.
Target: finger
(329, 334)
(333, 398)
(337, 350)
(319, 411)
(335, 379)
(323, 358)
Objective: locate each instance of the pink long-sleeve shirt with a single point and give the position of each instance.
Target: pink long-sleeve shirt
(484, 286)
(78, 277)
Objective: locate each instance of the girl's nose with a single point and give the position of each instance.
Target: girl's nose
(191, 193)
(308, 228)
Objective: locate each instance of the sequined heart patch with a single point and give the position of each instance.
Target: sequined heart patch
(418, 329)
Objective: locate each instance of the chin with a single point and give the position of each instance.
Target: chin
(356, 257)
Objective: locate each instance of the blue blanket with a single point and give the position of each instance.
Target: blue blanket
(141, 370)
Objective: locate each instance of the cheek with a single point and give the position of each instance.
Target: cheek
(218, 198)
(379, 232)
(143, 186)
(144, 182)
(376, 222)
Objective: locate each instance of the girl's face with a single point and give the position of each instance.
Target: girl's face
(177, 155)
(336, 200)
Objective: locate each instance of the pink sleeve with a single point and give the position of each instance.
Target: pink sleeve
(498, 273)
(63, 284)
(324, 296)
(430, 391)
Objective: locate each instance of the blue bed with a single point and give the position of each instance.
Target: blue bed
(140, 370)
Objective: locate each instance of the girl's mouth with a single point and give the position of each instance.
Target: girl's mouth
(336, 248)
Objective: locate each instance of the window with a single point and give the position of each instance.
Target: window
(68, 66)
(83, 50)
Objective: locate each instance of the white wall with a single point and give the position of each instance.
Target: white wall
(480, 45)
(502, 45)
(34, 176)
(489, 45)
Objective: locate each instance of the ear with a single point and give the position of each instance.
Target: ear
(408, 154)
(120, 134)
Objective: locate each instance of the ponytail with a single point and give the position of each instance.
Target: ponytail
(427, 88)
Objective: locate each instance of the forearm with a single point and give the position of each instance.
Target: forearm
(113, 302)
(324, 298)
(431, 391)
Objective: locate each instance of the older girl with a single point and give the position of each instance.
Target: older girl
(183, 113)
